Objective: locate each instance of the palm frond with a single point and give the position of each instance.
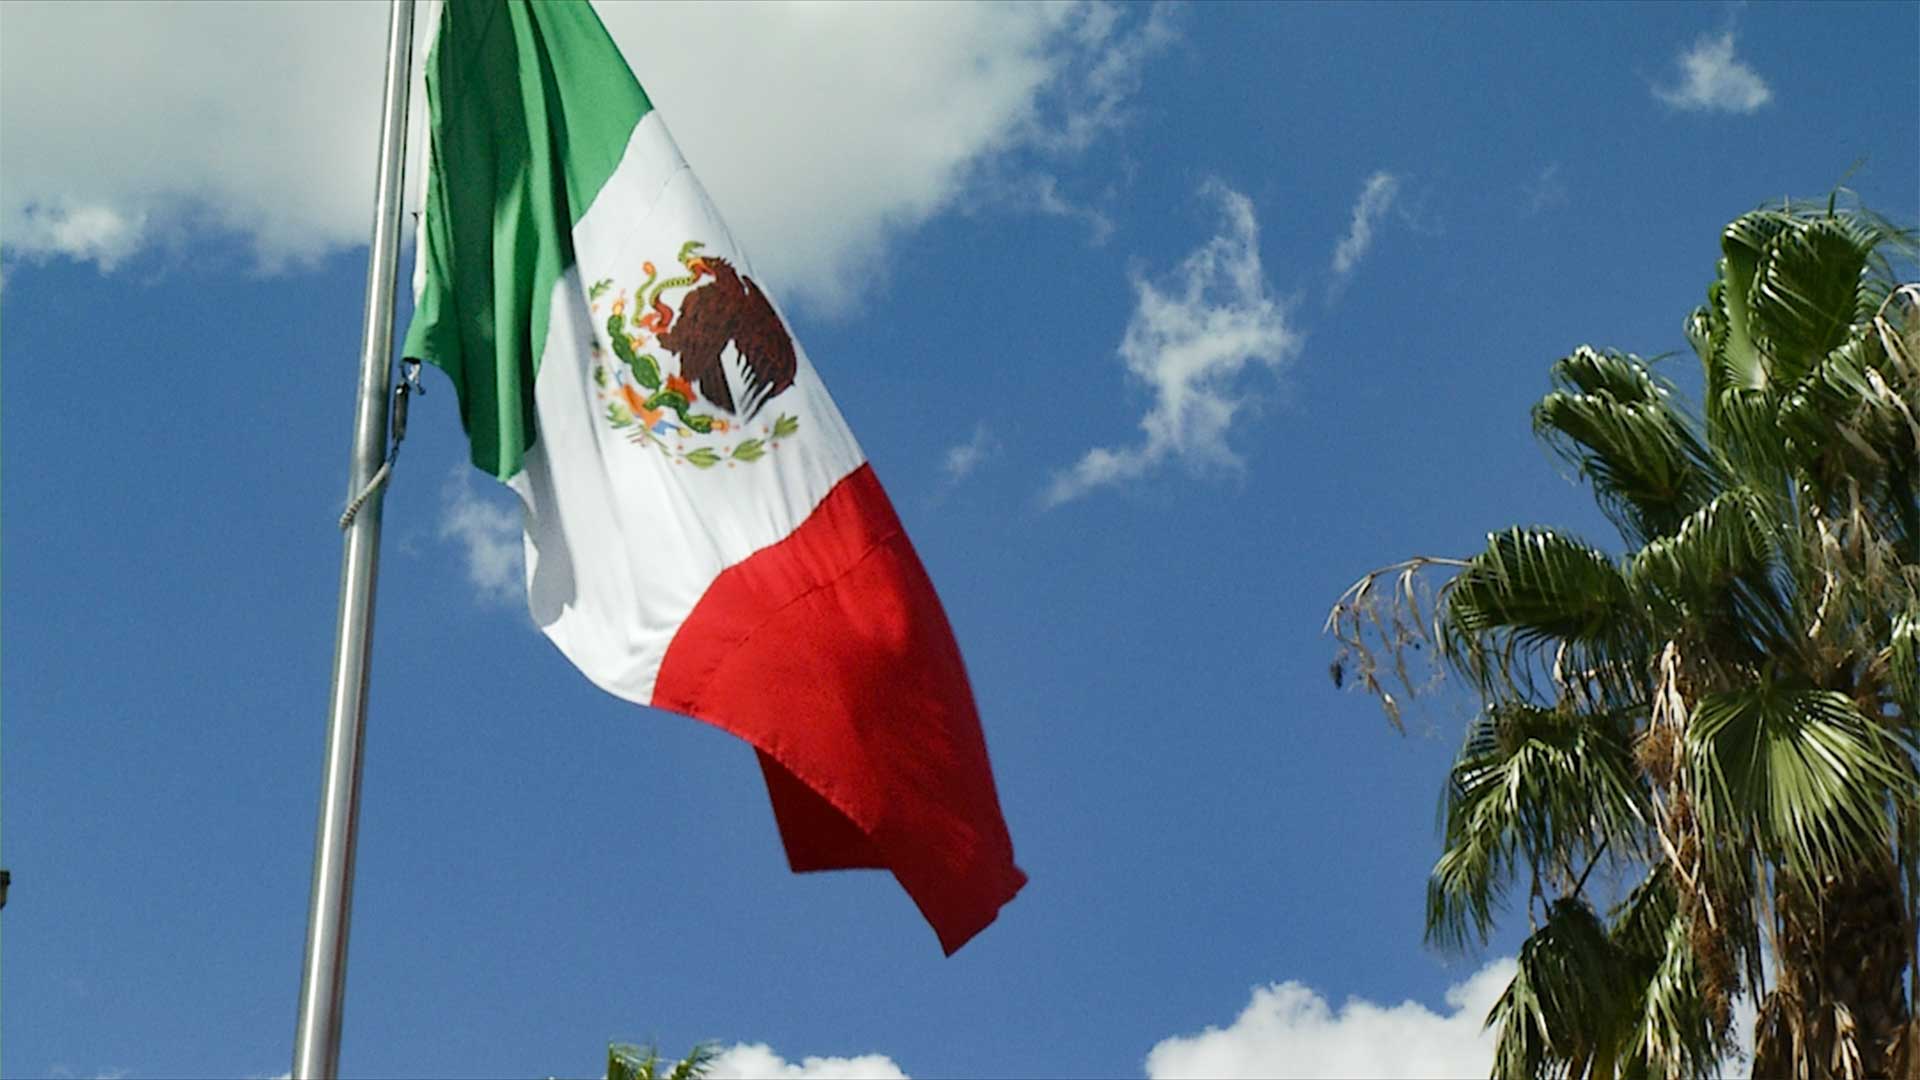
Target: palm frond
(626, 1061)
(1536, 604)
(1903, 665)
(1385, 637)
(1639, 923)
(1562, 1009)
(1800, 773)
(1673, 1032)
(1832, 411)
(1542, 583)
(1807, 293)
(1543, 786)
(696, 1064)
(1621, 376)
(1722, 331)
(1722, 540)
(1616, 423)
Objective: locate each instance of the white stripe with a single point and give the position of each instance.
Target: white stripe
(622, 541)
(420, 131)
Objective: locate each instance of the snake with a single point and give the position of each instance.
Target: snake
(660, 316)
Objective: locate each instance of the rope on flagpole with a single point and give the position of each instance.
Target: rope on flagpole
(373, 485)
(409, 384)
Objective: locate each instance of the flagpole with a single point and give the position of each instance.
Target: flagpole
(316, 1041)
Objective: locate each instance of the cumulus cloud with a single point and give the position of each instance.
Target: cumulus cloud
(488, 534)
(1190, 339)
(253, 118)
(1288, 1030)
(837, 126)
(1713, 81)
(1376, 196)
(757, 1061)
(87, 233)
(963, 459)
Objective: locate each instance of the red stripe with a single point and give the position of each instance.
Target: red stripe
(829, 652)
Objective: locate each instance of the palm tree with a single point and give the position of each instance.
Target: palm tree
(626, 1061)
(1728, 715)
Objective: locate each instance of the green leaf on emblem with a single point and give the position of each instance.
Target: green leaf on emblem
(785, 426)
(750, 450)
(703, 458)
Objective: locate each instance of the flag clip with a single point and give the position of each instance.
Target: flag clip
(403, 390)
(399, 423)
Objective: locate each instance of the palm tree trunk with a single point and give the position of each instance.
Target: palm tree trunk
(1839, 1008)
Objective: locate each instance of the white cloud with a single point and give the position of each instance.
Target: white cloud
(88, 233)
(1104, 68)
(757, 1061)
(1376, 196)
(1034, 192)
(1189, 340)
(822, 130)
(1715, 81)
(1288, 1030)
(964, 458)
(488, 533)
(223, 116)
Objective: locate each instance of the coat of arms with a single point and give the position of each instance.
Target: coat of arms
(695, 407)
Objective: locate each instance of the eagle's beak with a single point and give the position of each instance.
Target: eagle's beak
(698, 267)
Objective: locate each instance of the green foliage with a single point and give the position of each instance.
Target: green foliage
(1617, 424)
(1730, 711)
(1801, 774)
(626, 1061)
(1530, 784)
(1561, 1009)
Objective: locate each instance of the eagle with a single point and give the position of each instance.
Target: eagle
(731, 308)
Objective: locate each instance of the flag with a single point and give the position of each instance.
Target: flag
(702, 532)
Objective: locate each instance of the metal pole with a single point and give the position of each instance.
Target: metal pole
(316, 1040)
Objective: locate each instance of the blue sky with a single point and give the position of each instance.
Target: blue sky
(1161, 325)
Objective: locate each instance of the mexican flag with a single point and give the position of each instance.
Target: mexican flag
(703, 534)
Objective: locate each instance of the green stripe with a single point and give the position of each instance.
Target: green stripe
(532, 106)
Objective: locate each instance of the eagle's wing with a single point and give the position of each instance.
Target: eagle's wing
(699, 335)
(766, 347)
